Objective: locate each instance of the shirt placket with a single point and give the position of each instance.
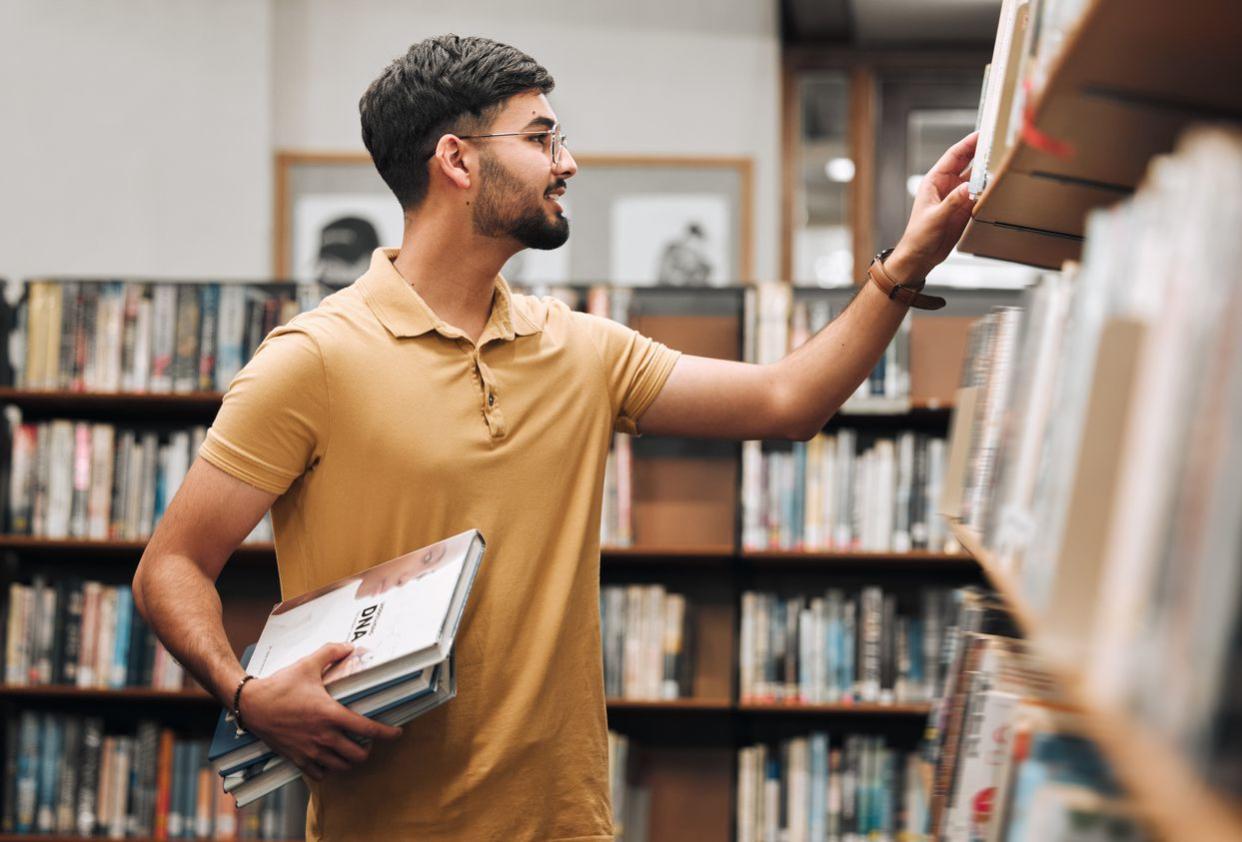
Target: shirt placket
(490, 402)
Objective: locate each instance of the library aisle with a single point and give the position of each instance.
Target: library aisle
(997, 598)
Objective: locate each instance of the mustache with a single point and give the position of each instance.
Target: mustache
(560, 182)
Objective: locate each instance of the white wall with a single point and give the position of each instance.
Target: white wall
(685, 77)
(136, 138)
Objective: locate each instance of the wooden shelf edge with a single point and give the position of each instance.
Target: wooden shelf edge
(856, 709)
(131, 694)
(932, 559)
(1166, 790)
(33, 542)
(692, 705)
(47, 837)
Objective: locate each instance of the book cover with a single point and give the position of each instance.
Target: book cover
(401, 615)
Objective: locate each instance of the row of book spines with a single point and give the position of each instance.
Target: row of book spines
(138, 337)
(83, 634)
(645, 634)
(64, 775)
(806, 789)
(776, 323)
(824, 495)
(77, 479)
(834, 648)
(617, 516)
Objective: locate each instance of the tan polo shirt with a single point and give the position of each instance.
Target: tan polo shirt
(384, 429)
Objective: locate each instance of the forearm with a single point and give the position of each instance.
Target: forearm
(820, 376)
(180, 604)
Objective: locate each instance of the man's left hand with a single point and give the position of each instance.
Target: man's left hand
(941, 210)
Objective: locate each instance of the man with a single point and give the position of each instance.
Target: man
(426, 399)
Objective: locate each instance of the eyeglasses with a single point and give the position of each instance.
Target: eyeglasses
(555, 133)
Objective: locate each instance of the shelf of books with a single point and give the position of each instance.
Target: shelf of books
(1078, 97)
(1093, 474)
(748, 601)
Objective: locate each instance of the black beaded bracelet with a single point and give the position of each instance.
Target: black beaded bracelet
(241, 729)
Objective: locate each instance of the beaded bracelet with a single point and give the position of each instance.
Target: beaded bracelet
(237, 717)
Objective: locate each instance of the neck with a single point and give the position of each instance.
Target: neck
(452, 267)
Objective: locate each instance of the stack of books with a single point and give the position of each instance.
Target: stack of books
(401, 616)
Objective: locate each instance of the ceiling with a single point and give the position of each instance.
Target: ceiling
(889, 22)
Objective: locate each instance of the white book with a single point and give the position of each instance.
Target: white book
(990, 104)
(230, 334)
(60, 485)
(99, 501)
(401, 615)
(141, 381)
(163, 336)
(746, 654)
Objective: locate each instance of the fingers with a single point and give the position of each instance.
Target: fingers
(311, 769)
(349, 750)
(957, 157)
(329, 653)
(359, 725)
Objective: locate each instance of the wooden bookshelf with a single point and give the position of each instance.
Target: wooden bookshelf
(857, 709)
(192, 697)
(685, 516)
(50, 837)
(1131, 76)
(930, 562)
(1165, 789)
(115, 405)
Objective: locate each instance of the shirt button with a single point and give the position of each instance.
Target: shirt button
(491, 399)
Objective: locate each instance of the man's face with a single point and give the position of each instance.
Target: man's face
(519, 187)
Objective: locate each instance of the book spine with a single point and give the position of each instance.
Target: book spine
(88, 778)
(100, 495)
(210, 309)
(163, 328)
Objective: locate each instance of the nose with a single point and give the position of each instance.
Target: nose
(566, 166)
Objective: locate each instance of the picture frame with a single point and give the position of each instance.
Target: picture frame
(635, 220)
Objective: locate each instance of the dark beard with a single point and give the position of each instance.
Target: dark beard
(501, 212)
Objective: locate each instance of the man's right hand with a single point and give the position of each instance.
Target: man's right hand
(292, 712)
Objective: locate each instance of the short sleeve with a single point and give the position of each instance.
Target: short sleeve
(636, 367)
(273, 423)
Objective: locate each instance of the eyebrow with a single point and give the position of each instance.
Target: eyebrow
(545, 122)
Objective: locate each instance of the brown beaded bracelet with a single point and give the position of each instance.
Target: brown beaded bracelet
(241, 729)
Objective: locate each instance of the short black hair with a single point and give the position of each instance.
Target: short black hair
(439, 85)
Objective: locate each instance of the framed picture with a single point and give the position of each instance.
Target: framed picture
(634, 220)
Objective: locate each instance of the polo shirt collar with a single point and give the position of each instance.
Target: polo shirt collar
(403, 312)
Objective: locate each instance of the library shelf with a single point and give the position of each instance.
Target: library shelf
(669, 705)
(51, 837)
(45, 692)
(125, 405)
(100, 694)
(704, 554)
(259, 552)
(1165, 788)
(838, 709)
(1131, 76)
(264, 552)
(931, 562)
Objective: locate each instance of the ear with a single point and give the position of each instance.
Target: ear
(451, 161)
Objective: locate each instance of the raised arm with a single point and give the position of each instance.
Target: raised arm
(794, 398)
(174, 591)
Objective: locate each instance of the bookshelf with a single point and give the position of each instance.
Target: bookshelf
(685, 516)
(1166, 791)
(1131, 75)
